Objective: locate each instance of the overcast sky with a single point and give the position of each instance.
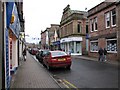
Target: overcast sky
(40, 14)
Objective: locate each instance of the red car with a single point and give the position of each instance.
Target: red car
(53, 59)
(34, 51)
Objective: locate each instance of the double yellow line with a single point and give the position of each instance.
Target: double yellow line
(70, 84)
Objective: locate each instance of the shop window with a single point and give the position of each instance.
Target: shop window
(94, 46)
(113, 17)
(78, 47)
(112, 45)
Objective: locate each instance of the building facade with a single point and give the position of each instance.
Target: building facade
(103, 29)
(21, 41)
(54, 39)
(73, 31)
(118, 30)
(44, 39)
(10, 30)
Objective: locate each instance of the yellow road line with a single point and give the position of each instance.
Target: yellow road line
(70, 84)
(66, 85)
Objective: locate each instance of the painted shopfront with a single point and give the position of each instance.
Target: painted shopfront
(12, 33)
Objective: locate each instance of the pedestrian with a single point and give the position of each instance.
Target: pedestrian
(100, 52)
(105, 53)
(24, 54)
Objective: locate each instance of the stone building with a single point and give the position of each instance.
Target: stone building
(118, 30)
(73, 31)
(103, 29)
(54, 39)
(45, 39)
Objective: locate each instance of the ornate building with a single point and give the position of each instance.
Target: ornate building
(73, 31)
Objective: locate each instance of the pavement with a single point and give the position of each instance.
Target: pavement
(31, 74)
(96, 59)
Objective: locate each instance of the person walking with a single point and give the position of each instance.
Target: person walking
(105, 53)
(24, 54)
(100, 52)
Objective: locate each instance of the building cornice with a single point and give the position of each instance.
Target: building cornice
(100, 7)
(74, 16)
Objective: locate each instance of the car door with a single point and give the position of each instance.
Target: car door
(44, 57)
(48, 61)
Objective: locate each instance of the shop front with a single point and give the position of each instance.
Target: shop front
(13, 51)
(56, 45)
(14, 29)
(72, 45)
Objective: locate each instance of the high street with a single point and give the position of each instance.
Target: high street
(89, 74)
(83, 74)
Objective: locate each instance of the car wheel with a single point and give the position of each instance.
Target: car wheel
(44, 65)
(68, 68)
(49, 68)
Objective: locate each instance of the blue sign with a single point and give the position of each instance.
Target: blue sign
(87, 36)
(9, 9)
(15, 26)
(56, 43)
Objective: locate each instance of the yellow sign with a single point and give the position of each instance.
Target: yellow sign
(12, 18)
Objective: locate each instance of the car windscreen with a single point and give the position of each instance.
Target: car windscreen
(59, 53)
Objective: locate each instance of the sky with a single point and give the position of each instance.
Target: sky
(40, 14)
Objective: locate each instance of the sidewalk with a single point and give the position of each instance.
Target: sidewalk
(31, 74)
(95, 59)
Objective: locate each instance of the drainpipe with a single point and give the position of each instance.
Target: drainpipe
(2, 64)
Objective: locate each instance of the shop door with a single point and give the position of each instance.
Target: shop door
(78, 47)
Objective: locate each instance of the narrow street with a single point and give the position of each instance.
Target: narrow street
(89, 74)
(82, 37)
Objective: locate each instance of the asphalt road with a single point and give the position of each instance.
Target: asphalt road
(88, 74)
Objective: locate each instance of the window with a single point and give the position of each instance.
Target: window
(113, 17)
(86, 28)
(95, 24)
(107, 20)
(91, 25)
(112, 45)
(94, 45)
(79, 27)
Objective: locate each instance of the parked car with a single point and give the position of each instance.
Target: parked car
(55, 59)
(30, 50)
(40, 54)
(34, 51)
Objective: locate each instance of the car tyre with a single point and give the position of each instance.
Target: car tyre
(44, 65)
(68, 68)
(49, 68)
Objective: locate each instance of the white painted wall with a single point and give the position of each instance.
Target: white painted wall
(14, 54)
(20, 49)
